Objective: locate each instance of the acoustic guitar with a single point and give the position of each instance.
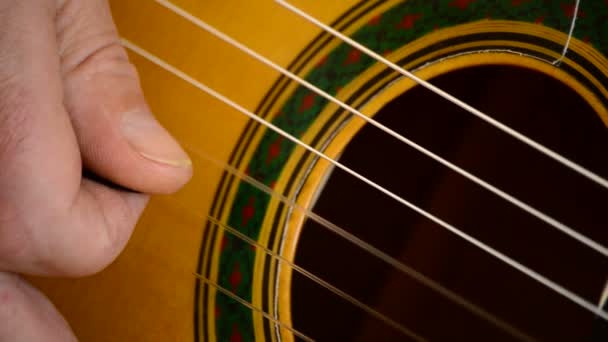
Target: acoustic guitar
(375, 170)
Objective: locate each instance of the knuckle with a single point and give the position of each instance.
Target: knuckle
(107, 70)
(60, 249)
(101, 254)
(97, 258)
(108, 236)
(91, 52)
(85, 46)
(76, 261)
(98, 253)
(67, 240)
(110, 58)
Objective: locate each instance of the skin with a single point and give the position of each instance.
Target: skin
(70, 101)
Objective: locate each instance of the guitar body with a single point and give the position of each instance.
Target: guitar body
(164, 287)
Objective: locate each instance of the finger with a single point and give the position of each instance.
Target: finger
(52, 222)
(26, 315)
(118, 135)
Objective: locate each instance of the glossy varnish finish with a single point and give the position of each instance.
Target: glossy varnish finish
(150, 293)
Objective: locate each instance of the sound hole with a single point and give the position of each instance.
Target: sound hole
(533, 103)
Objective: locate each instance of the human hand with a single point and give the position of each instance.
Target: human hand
(69, 98)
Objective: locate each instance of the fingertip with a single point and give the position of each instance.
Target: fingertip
(157, 149)
(151, 140)
(119, 138)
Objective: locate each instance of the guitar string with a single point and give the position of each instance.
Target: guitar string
(369, 310)
(570, 33)
(500, 193)
(252, 307)
(577, 4)
(387, 320)
(569, 231)
(488, 119)
(573, 297)
(382, 256)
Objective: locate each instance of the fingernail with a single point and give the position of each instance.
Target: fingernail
(152, 140)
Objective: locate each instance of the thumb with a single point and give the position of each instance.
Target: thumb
(118, 136)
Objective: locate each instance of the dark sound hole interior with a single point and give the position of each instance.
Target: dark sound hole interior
(532, 103)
